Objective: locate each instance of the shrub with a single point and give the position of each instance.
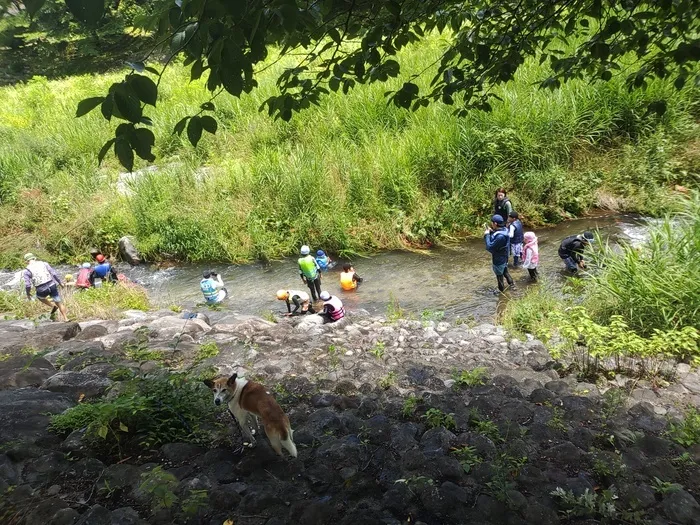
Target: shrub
(687, 431)
(470, 378)
(148, 411)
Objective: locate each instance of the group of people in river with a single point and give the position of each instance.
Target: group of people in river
(45, 280)
(505, 237)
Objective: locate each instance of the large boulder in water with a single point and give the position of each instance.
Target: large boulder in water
(128, 252)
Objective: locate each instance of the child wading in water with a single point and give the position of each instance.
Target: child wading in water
(531, 255)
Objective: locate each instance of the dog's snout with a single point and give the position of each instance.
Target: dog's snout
(217, 401)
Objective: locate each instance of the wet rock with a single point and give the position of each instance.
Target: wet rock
(179, 453)
(564, 454)
(77, 384)
(45, 510)
(437, 441)
(682, 508)
(24, 370)
(403, 437)
(95, 515)
(321, 422)
(24, 413)
(65, 516)
(121, 476)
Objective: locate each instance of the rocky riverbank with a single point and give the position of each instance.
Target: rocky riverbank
(395, 423)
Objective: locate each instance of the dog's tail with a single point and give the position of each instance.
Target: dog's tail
(288, 444)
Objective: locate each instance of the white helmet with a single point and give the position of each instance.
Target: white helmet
(325, 296)
(305, 250)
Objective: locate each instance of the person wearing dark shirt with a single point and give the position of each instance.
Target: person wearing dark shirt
(497, 242)
(571, 250)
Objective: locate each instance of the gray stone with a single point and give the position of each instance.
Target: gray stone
(128, 251)
(121, 476)
(44, 510)
(95, 515)
(40, 338)
(45, 469)
(64, 517)
(126, 516)
(24, 413)
(682, 508)
(180, 452)
(92, 332)
(77, 383)
(24, 370)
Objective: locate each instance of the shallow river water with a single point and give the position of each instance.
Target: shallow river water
(456, 280)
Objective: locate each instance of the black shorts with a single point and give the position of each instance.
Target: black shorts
(51, 291)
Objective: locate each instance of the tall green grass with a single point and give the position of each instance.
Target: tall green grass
(656, 285)
(352, 175)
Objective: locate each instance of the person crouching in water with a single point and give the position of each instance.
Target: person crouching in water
(310, 272)
(571, 250)
(515, 232)
(212, 287)
(103, 271)
(324, 262)
(349, 278)
(83, 280)
(531, 255)
(300, 299)
(497, 243)
(332, 308)
(45, 281)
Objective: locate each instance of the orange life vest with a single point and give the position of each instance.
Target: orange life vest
(346, 281)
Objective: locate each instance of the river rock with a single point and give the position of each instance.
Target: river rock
(128, 251)
(24, 370)
(77, 384)
(25, 412)
(40, 338)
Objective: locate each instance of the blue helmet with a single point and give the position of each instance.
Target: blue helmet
(497, 219)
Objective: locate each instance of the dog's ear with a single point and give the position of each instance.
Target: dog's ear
(209, 383)
(232, 380)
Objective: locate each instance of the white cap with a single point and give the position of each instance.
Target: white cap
(305, 250)
(325, 296)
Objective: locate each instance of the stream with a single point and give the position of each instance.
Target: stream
(457, 280)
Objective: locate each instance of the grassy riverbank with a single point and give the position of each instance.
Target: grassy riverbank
(352, 175)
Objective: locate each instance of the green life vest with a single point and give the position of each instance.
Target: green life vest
(308, 267)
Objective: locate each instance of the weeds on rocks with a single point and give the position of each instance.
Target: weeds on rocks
(665, 487)
(687, 431)
(470, 378)
(206, 351)
(148, 411)
(468, 457)
(587, 505)
(378, 349)
(160, 485)
(388, 380)
(195, 502)
(409, 406)
(434, 417)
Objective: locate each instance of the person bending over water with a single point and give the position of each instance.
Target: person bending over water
(45, 281)
(212, 287)
(300, 299)
(571, 250)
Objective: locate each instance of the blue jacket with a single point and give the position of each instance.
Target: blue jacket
(498, 244)
(518, 233)
(102, 270)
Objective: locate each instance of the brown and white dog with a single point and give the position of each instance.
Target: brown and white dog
(247, 397)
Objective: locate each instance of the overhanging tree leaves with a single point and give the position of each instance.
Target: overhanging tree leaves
(345, 42)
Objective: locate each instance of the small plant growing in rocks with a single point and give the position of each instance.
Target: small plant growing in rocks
(468, 457)
(431, 315)
(415, 483)
(159, 484)
(687, 431)
(388, 380)
(435, 417)
(470, 378)
(207, 350)
(378, 349)
(684, 460)
(587, 505)
(488, 429)
(608, 467)
(409, 406)
(195, 501)
(394, 312)
(140, 352)
(269, 315)
(665, 487)
(121, 374)
(556, 422)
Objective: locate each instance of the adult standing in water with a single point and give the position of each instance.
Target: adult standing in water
(497, 242)
(310, 272)
(45, 281)
(501, 204)
(571, 250)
